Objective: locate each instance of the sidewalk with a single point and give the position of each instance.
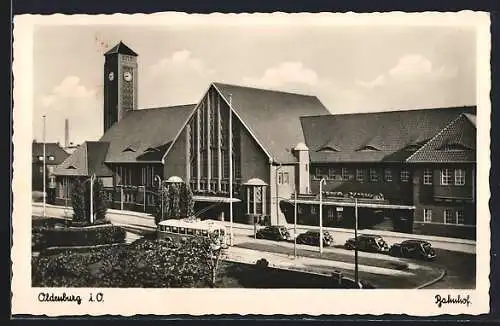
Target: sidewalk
(340, 235)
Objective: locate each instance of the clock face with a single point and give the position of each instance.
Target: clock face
(111, 76)
(127, 76)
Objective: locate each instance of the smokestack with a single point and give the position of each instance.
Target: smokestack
(66, 133)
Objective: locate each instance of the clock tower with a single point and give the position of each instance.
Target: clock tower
(120, 83)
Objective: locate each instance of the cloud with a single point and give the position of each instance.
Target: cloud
(70, 87)
(411, 68)
(285, 73)
(179, 61)
(72, 100)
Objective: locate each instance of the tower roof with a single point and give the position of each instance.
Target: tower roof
(121, 48)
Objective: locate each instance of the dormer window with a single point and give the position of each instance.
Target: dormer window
(129, 149)
(454, 147)
(40, 158)
(51, 158)
(367, 148)
(151, 149)
(327, 149)
(71, 167)
(412, 148)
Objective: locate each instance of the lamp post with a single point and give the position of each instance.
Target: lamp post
(322, 181)
(277, 192)
(160, 190)
(356, 240)
(44, 168)
(295, 226)
(92, 178)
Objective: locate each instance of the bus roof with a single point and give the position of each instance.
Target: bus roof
(193, 224)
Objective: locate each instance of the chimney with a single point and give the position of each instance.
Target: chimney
(66, 133)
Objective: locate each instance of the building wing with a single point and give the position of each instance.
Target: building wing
(145, 135)
(374, 137)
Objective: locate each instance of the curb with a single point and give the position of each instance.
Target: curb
(431, 282)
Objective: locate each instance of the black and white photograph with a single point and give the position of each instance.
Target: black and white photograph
(263, 163)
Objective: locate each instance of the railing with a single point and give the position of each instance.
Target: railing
(205, 190)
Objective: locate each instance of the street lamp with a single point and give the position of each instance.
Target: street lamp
(295, 225)
(322, 181)
(160, 190)
(92, 178)
(356, 276)
(44, 167)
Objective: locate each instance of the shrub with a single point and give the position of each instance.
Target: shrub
(82, 236)
(145, 263)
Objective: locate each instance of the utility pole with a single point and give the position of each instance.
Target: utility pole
(44, 168)
(356, 278)
(321, 215)
(295, 225)
(230, 170)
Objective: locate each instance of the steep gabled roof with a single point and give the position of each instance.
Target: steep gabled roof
(372, 137)
(51, 149)
(144, 135)
(122, 49)
(272, 116)
(454, 143)
(86, 160)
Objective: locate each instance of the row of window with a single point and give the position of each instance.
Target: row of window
(346, 174)
(448, 216)
(448, 176)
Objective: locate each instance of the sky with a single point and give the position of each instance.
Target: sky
(349, 68)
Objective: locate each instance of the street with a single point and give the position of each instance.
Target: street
(460, 266)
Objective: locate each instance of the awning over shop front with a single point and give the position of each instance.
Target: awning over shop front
(351, 204)
(215, 199)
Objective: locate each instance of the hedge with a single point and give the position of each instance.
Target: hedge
(73, 236)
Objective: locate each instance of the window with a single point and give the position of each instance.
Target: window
(373, 175)
(459, 177)
(460, 216)
(360, 175)
(405, 175)
(41, 169)
(427, 215)
(51, 158)
(448, 217)
(332, 174)
(427, 177)
(283, 178)
(51, 169)
(319, 173)
(388, 175)
(299, 209)
(40, 158)
(331, 213)
(346, 175)
(313, 209)
(446, 177)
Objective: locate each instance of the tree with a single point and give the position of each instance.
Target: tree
(99, 200)
(174, 201)
(187, 202)
(78, 201)
(162, 192)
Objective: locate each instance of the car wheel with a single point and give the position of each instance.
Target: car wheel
(258, 236)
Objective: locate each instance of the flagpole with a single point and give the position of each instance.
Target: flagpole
(230, 171)
(44, 168)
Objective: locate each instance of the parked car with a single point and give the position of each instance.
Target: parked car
(274, 232)
(312, 238)
(369, 243)
(418, 249)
